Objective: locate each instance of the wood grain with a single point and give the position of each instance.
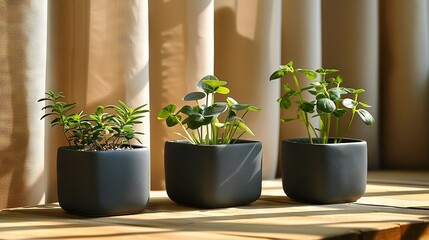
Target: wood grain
(397, 208)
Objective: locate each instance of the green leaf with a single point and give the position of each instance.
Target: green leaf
(366, 117)
(240, 106)
(339, 112)
(278, 74)
(288, 67)
(285, 102)
(215, 109)
(364, 104)
(359, 91)
(172, 120)
(187, 110)
(99, 111)
(231, 101)
(335, 93)
(245, 128)
(167, 111)
(222, 90)
(231, 116)
(339, 79)
(326, 105)
(308, 73)
(204, 86)
(288, 119)
(306, 106)
(193, 96)
(349, 103)
(214, 83)
(253, 108)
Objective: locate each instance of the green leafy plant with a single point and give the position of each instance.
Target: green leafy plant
(329, 102)
(201, 123)
(98, 131)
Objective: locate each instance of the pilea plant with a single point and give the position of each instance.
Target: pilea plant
(201, 123)
(329, 102)
(98, 131)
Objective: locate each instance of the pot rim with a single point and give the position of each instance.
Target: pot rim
(240, 142)
(76, 149)
(346, 141)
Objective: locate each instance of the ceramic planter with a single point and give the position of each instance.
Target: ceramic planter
(213, 176)
(324, 173)
(103, 183)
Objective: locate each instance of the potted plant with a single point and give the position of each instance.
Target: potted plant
(212, 167)
(100, 172)
(325, 167)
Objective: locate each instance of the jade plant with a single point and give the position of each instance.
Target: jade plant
(328, 101)
(202, 123)
(98, 131)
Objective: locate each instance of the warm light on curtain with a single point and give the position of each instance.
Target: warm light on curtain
(98, 51)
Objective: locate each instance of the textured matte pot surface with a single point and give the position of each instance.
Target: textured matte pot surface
(213, 176)
(103, 183)
(324, 173)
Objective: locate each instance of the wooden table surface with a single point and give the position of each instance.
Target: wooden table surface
(395, 206)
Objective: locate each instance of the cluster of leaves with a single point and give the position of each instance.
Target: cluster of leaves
(201, 123)
(98, 131)
(329, 100)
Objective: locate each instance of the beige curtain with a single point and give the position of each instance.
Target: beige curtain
(98, 51)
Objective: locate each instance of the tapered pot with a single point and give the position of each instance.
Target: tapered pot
(213, 176)
(324, 173)
(103, 183)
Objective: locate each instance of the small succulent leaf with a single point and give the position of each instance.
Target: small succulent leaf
(349, 103)
(99, 111)
(339, 112)
(193, 96)
(306, 106)
(308, 73)
(326, 105)
(278, 74)
(366, 117)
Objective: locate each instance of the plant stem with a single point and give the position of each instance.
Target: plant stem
(301, 101)
(351, 119)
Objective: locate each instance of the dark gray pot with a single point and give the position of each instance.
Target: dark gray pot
(103, 183)
(324, 173)
(213, 176)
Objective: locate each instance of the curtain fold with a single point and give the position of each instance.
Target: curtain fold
(350, 44)
(98, 52)
(23, 30)
(247, 43)
(405, 83)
